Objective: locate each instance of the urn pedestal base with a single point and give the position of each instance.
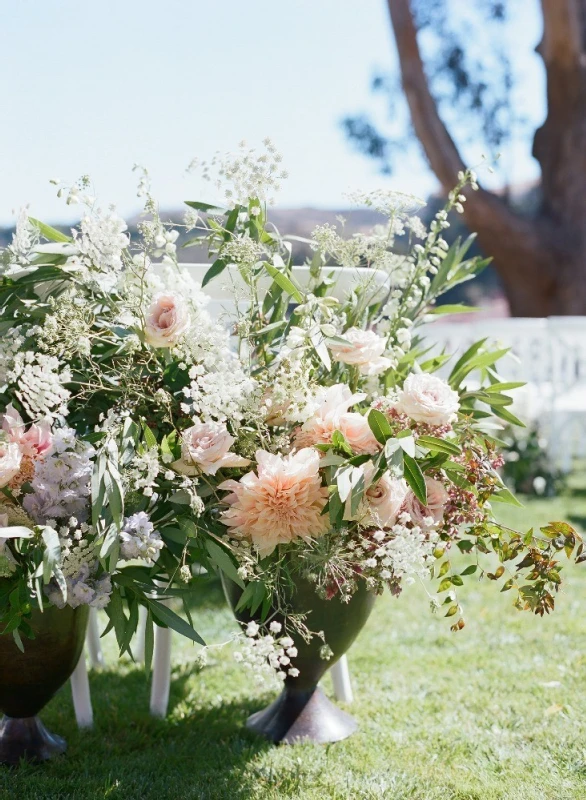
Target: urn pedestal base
(302, 715)
(27, 738)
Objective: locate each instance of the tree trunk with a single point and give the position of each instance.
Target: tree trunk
(541, 261)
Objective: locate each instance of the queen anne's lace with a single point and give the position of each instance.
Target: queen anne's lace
(40, 383)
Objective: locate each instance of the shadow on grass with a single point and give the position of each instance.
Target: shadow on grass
(201, 752)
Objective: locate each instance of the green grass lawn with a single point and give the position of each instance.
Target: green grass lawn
(497, 711)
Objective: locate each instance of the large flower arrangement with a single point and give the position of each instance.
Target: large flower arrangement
(364, 465)
(136, 441)
(103, 359)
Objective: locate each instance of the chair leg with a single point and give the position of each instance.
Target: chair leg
(341, 680)
(80, 692)
(161, 681)
(93, 640)
(138, 650)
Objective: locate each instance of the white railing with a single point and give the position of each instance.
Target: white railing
(550, 356)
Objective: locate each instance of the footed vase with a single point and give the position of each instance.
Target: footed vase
(29, 680)
(302, 711)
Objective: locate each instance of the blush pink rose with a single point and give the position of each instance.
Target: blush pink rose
(10, 461)
(281, 502)
(205, 447)
(36, 442)
(427, 398)
(437, 497)
(167, 320)
(385, 499)
(364, 349)
(331, 415)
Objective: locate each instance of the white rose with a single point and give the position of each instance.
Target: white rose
(437, 497)
(205, 447)
(427, 398)
(364, 350)
(167, 320)
(10, 458)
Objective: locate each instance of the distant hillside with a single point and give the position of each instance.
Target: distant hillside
(301, 222)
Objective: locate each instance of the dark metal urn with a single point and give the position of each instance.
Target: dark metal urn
(302, 711)
(29, 680)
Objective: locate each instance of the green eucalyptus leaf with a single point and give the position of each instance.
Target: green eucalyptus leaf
(414, 478)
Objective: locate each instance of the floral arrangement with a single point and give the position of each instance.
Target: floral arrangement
(362, 463)
(102, 356)
(137, 442)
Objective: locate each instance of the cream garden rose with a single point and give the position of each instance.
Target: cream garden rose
(205, 447)
(364, 349)
(427, 398)
(385, 498)
(437, 497)
(167, 320)
(332, 415)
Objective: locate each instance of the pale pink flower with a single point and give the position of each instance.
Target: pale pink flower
(10, 460)
(427, 398)
(205, 447)
(437, 497)
(282, 502)
(167, 320)
(364, 350)
(331, 415)
(36, 442)
(385, 497)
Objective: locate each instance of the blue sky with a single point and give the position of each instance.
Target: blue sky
(97, 86)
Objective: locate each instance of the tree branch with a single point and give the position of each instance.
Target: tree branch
(560, 143)
(440, 148)
(500, 230)
(562, 33)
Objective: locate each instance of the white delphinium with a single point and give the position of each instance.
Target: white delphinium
(244, 174)
(39, 381)
(83, 589)
(139, 539)
(61, 483)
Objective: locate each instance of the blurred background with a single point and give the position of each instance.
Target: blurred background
(383, 93)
